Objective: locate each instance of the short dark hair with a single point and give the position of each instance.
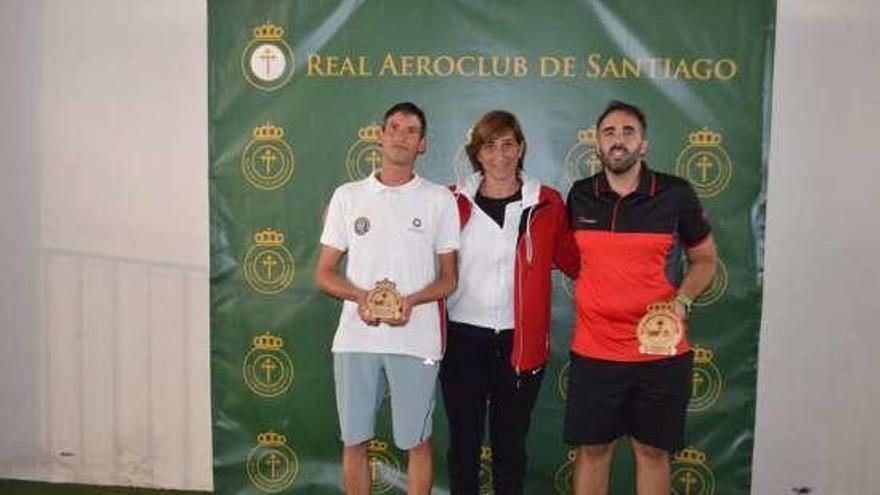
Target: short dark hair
(620, 106)
(409, 108)
(489, 127)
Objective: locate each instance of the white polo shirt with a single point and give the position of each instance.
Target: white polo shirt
(394, 233)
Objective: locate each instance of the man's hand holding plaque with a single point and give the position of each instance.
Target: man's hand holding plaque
(384, 304)
(660, 330)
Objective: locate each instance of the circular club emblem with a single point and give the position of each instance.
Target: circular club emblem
(705, 163)
(361, 225)
(267, 161)
(364, 156)
(267, 61)
(581, 160)
(384, 468)
(690, 474)
(267, 369)
(272, 466)
(707, 381)
(417, 222)
(268, 265)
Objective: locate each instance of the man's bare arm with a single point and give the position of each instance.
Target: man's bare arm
(703, 262)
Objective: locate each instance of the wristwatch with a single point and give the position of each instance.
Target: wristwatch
(685, 300)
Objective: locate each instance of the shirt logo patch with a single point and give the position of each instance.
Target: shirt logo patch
(415, 226)
(361, 225)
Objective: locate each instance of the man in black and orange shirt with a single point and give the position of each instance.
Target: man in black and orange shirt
(631, 225)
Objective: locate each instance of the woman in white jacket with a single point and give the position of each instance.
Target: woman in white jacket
(514, 231)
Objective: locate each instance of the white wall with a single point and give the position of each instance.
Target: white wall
(104, 372)
(19, 235)
(819, 362)
(103, 247)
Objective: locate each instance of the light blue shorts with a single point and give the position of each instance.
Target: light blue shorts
(360, 388)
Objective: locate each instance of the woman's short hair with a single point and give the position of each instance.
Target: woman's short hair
(489, 127)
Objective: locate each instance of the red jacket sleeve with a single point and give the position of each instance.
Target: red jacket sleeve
(567, 257)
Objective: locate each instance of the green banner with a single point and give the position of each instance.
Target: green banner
(296, 90)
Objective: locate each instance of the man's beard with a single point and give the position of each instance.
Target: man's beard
(622, 166)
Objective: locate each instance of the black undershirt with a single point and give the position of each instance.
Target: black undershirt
(495, 207)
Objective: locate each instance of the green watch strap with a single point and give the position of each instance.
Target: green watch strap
(685, 300)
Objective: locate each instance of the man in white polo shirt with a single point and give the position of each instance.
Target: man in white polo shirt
(397, 226)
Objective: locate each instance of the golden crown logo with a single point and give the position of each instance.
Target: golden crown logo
(272, 465)
(364, 157)
(705, 137)
(660, 306)
(271, 439)
(370, 133)
(268, 265)
(587, 136)
(706, 381)
(268, 237)
(689, 455)
(703, 355)
(691, 474)
(268, 32)
(705, 163)
(268, 132)
(268, 342)
(267, 61)
(267, 160)
(376, 445)
(386, 284)
(581, 160)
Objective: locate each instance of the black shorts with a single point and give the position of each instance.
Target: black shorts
(647, 401)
